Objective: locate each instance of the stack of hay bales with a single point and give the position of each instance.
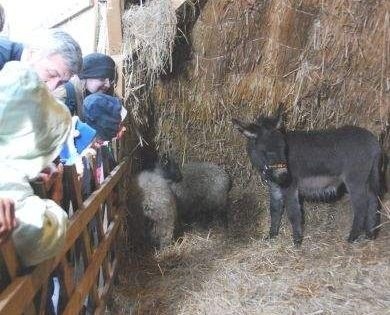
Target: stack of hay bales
(327, 61)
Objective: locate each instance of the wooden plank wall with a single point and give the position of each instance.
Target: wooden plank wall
(114, 39)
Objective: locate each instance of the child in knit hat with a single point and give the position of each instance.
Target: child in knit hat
(103, 113)
(98, 75)
(98, 72)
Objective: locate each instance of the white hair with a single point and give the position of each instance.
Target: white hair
(56, 41)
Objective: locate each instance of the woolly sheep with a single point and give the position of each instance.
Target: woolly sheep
(202, 194)
(152, 198)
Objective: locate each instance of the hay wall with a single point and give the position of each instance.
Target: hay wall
(327, 61)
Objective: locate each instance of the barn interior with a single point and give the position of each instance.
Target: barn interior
(189, 67)
(327, 63)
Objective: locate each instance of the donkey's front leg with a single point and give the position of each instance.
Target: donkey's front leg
(276, 205)
(294, 213)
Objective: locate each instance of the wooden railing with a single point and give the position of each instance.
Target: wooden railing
(82, 274)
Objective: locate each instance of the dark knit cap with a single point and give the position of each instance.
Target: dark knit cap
(103, 113)
(97, 65)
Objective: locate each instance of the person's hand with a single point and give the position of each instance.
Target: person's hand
(7, 218)
(97, 144)
(121, 132)
(48, 176)
(52, 180)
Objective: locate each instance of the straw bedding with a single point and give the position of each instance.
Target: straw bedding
(217, 272)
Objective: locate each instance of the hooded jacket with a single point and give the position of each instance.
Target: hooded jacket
(33, 127)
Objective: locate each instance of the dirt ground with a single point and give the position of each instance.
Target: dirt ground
(237, 271)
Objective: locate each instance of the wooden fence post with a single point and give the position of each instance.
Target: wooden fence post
(115, 39)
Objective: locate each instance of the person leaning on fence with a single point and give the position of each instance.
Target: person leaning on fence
(98, 74)
(33, 128)
(53, 54)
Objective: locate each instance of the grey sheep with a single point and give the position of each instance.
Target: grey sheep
(202, 193)
(152, 198)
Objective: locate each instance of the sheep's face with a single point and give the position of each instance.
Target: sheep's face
(171, 170)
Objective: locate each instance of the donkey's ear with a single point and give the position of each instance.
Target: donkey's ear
(279, 117)
(279, 122)
(246, 129)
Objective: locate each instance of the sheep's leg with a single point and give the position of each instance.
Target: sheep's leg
(224, 216)
(276, 209)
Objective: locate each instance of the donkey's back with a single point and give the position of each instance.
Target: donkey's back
(340, 143)
(326, 158)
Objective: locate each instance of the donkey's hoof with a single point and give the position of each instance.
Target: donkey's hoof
(270, 236)
(298, 242)
(355, 238)
(371, 235)
(352, 239)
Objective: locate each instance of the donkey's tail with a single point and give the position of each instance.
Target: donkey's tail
(383, 171)
(384, 144)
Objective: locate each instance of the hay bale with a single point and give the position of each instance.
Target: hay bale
(148, 34)
(318, 58)
(149, 30)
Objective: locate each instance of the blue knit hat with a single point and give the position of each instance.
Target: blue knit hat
(103, 113)
(97, 65)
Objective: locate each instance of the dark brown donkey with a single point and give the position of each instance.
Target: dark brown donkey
(315, 164)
